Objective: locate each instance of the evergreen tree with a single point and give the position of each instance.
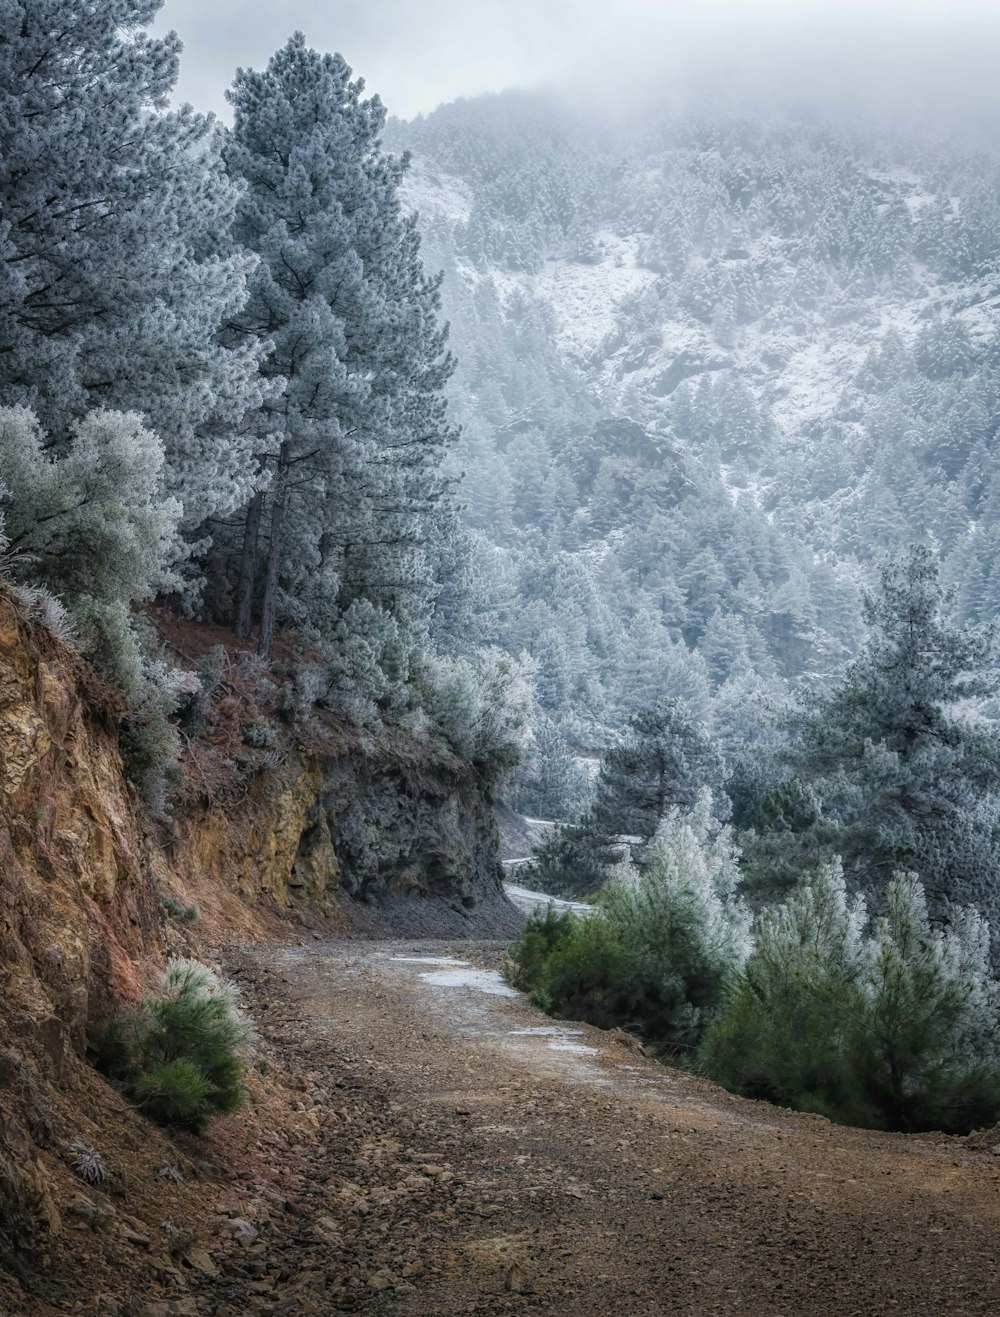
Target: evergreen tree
(350, 323)
(893, 1025)
(550, 784)
(895, 750)
(115, 274)
(664, 761)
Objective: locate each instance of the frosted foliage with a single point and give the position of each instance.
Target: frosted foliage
(115, 276)
(933, 977)
(349, 325)
(893, 1023)
(817, 935)
(482, 705)
(370, 659)
(187, 975)
(898, 749)
(716, 364)
(691, 862)
(48, 609)
(93, 523)
(551, 783)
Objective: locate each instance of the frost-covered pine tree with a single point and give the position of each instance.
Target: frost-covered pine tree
(905, 765)
(665, 761)
(114, 269)
(350, 322)
(890, 1022)
(92, 525)
(93, 536)
(551, 784)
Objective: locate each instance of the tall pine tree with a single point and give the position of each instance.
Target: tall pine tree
(349, 477)
(904, 767)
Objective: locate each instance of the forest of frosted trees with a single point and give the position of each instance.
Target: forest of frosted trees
(728, 390)
(710, 371)
(649, 465)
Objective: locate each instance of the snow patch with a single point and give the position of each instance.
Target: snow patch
(435, 195)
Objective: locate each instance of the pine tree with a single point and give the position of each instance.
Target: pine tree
(550, 784)
(114, 270)
(895, 751)
(664, 761)
(350, 320)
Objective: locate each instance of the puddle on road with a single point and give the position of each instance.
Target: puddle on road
(484, 980)
(459, 974)
(429, 960)
(471, 1012)
(559, 1039)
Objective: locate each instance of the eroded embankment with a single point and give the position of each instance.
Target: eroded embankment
(324, 828)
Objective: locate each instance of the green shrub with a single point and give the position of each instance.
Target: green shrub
(176, 1092)
(178, 1053)
(591, 974)
(544, 931)
(177, 910)
(892, 1025)
(257, 735)
(656, 953)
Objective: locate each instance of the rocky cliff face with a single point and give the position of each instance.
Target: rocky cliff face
(320, 831)
(359, 835)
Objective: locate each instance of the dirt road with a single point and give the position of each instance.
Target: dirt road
(455, 1151)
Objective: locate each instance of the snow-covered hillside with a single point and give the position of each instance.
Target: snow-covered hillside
(709, 371)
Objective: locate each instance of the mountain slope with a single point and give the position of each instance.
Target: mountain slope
(801, 316)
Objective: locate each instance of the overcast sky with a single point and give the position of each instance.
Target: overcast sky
(936, 55)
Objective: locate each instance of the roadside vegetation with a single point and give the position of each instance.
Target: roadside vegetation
(180, 1054)
(864, 841)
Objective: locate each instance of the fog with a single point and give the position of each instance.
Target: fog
(895, 56)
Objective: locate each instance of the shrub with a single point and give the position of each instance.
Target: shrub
(482, 707)
(545, 930)
(177, 910)
(195, 707)
(370, 657)
(655, 955)
(89, 529)
(93, 520)
(178, 1053)
(890, 1025)
(43, 606)
(257, 735)
(303, 689)
(88, 1163)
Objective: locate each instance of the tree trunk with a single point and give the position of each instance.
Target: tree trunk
(279, 504)
(248, 566)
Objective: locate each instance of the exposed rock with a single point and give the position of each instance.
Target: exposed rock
(241, 1230)
(28, 1214)
(201, 1262)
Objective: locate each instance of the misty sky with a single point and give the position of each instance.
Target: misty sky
(936, 55)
